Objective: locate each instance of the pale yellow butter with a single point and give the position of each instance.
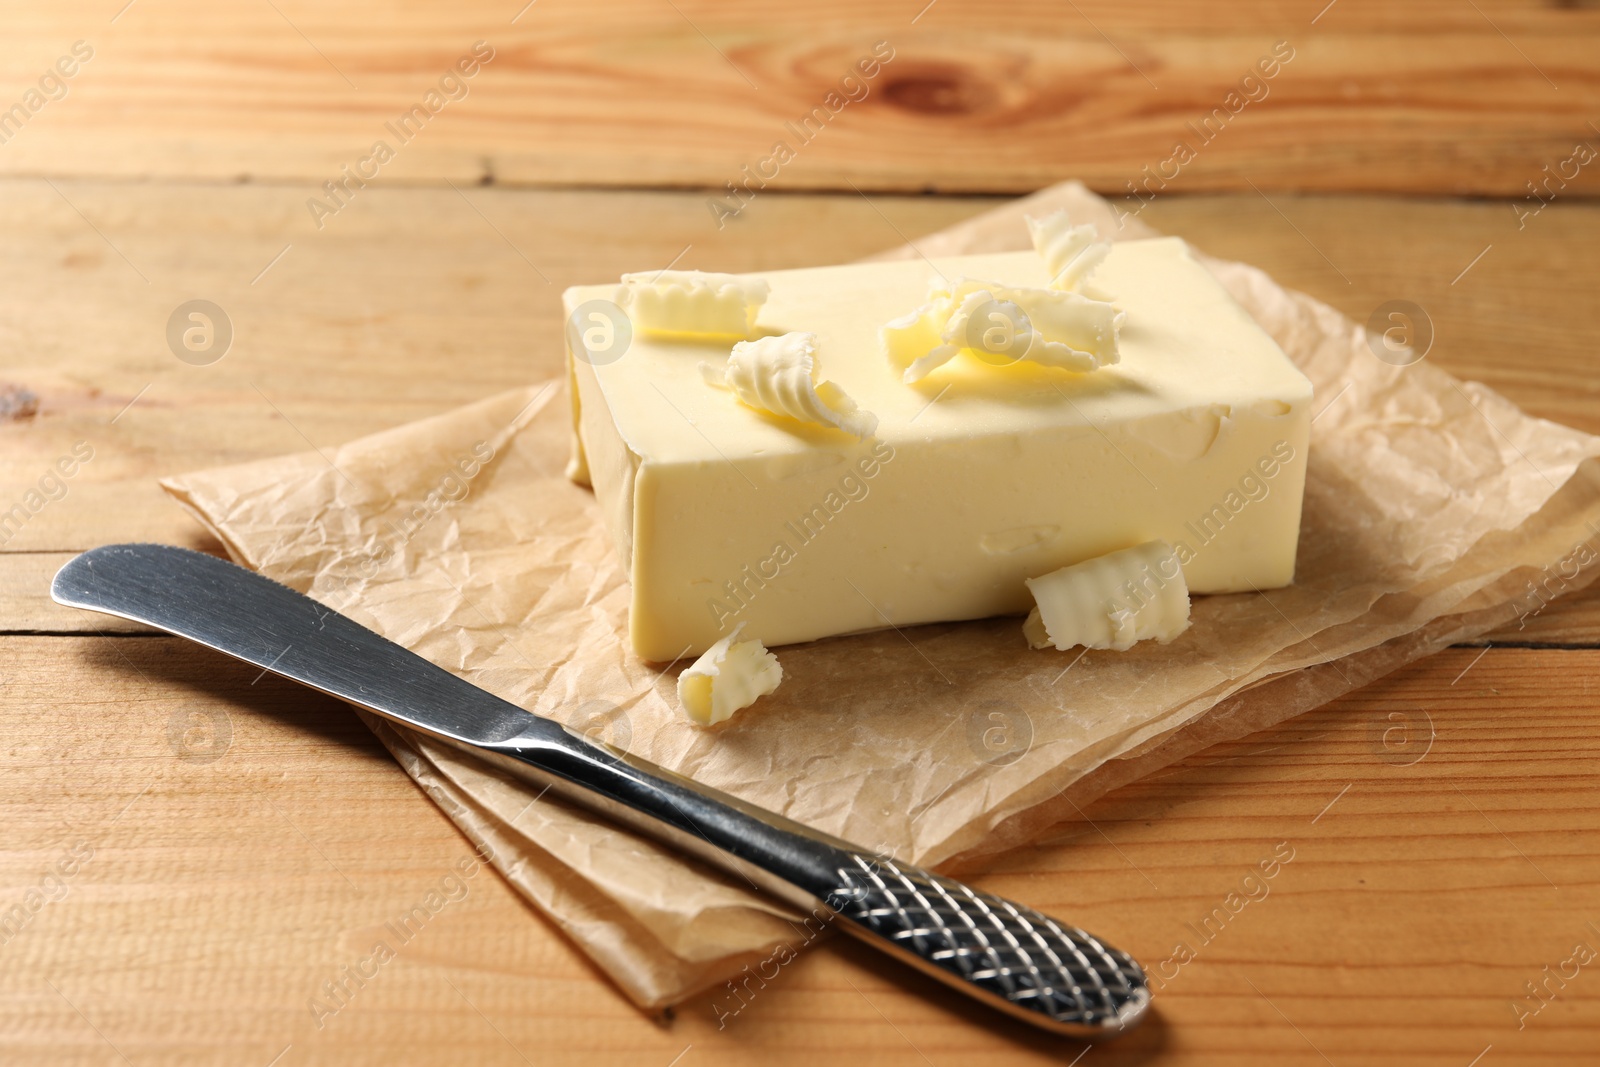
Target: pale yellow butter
(1071, 253)
(691, 302)
(978, 477)
(777, 375)
(1111, 601)
(729, 677)
(1046, 326)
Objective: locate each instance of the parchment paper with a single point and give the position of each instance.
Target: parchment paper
(1430, 506)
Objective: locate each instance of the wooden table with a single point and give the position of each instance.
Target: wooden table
(233, 841)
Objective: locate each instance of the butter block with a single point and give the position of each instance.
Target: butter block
(978, 477)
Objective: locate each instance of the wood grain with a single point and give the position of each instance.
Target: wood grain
(26, 607)
(417, 301)
(221, 898)
(250, 840)
(1427, 97)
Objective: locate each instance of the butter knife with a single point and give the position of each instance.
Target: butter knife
(1007, 955)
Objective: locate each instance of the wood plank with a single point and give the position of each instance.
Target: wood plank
(222, 892)
(26, 607)
(412, 302)
(1428, 97)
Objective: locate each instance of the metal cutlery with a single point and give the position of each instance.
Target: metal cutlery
(1007, 955)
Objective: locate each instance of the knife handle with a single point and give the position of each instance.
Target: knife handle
(1005, 954)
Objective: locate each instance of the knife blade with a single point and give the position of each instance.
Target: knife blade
(1009, 956)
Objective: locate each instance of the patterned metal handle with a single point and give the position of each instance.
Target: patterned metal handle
(1021, 961)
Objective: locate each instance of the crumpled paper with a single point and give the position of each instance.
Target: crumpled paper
(1430, 506)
